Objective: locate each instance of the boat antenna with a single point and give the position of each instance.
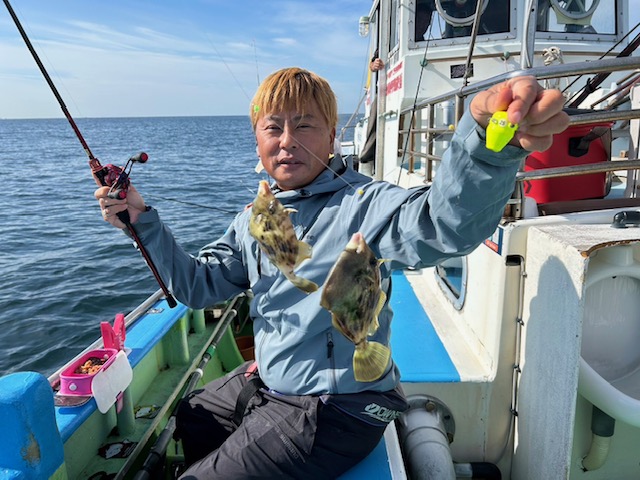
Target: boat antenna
(109, 175)
(474, 36)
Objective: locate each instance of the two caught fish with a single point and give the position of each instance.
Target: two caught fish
(352, 291)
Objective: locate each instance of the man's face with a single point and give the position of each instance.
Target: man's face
(294, 148)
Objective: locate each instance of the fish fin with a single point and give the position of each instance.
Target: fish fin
(303, 284)
(324, 303)
(370, 361)
(289, 210)
(339, 326)
(304, 252)
(381, 301)
(373, 327)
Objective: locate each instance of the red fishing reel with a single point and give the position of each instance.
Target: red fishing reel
(116, 177)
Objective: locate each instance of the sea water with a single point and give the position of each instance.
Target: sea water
(63, 269)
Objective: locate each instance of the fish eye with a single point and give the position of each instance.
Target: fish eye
(272, 207)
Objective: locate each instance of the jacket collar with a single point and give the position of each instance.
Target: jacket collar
(336, 176)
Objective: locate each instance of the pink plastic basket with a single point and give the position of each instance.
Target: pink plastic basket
(72, 383)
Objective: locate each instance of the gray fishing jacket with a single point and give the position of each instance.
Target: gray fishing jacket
(298, 350)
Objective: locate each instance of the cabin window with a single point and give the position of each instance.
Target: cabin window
(393, 25)
(440, 19)
(424, 15)
(452, 278)
(577, 16)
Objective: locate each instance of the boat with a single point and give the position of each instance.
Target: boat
(519, 360)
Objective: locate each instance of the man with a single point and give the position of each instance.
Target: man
(310, 419)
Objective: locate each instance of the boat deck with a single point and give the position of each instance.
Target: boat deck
(413, 336)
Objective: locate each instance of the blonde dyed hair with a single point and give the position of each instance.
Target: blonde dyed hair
(292, 89)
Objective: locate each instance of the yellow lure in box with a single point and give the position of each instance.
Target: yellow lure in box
(499, 131)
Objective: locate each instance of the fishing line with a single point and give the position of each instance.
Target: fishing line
(228, 68)
(327, 164)
(252, 191)
(318, 159)
(336, 174)
(255, 54)
(160, 197)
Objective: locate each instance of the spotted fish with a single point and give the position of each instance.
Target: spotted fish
(271, 226)
(353, 295)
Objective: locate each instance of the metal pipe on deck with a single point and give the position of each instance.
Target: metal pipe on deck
(126, 419)
(425, 431)
(603, 428)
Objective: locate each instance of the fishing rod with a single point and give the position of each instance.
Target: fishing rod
(108, 175)
(592, 84)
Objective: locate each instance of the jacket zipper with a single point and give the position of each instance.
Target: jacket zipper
(332, 362)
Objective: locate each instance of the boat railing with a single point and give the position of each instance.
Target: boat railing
(547, 72)
(353, 119)
(130, 319)
(419, 131)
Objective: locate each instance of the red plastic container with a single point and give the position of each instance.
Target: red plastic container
(571, 148)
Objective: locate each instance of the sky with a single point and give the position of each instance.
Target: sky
(128, 58)
(133, 58)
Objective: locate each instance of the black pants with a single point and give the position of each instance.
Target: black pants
(281, 436)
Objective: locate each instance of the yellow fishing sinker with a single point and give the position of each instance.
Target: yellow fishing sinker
(499, 131)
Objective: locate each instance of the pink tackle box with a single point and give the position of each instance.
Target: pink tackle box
(72, 383)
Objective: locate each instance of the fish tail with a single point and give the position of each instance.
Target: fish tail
(370, 360)
(303, 284)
